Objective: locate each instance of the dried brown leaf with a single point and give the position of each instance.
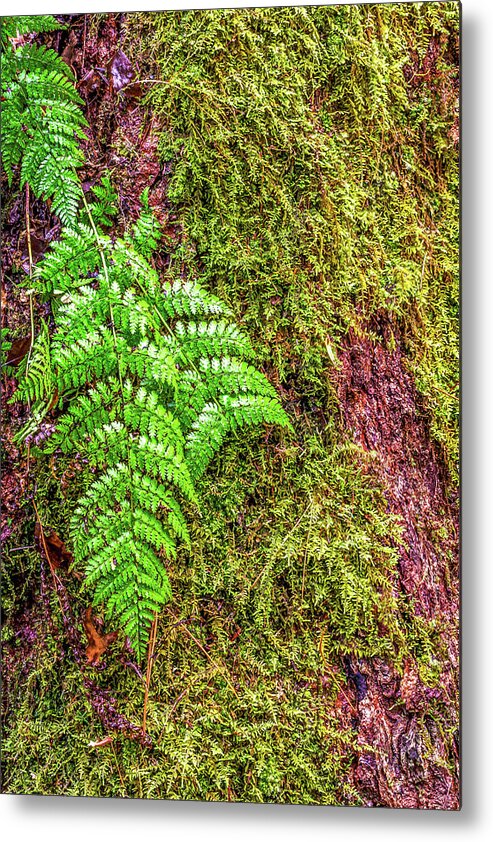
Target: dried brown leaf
(133, 91)
(18, 350)
(97, 643)
(90, 83)
(58, 554)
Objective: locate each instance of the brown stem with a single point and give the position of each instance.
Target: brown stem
(150, 660)
(56, 580)
(31, 305)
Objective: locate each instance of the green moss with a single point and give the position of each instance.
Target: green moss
(314, 183)
(293, 565)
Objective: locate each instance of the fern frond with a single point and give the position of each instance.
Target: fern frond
(42, 122)
(188, 299)
(118, 483)
(13, 26)
(153, 377)
(128, 577)
(96, 355)
(216, 420)
(70, 262)
(104, 204)
(36, 59)
(193, 341)
(146, 232)
(35, 372)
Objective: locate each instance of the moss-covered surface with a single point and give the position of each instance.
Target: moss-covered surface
(313, 173)
(316, 175)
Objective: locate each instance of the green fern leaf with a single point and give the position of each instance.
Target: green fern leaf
(152, 377)
(42, 120)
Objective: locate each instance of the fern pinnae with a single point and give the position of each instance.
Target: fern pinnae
(36, 382)
(11, 26)
(70, 261)
(150, 393)
(42, 121)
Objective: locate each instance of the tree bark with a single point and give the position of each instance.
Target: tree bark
(407, 731)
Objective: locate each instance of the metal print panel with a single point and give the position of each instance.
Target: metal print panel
(230, 348)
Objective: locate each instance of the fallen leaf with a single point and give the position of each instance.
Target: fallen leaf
(70, 48)
(120, 71)
(58, 554)
(90, 83)
(96, 643)
(18, 350)
(38, 248)
(133, 91)
(68, 54)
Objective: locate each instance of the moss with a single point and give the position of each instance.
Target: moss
(317, 179)
(292, 567)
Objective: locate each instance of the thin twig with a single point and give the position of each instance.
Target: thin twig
(31, 303)
(30, 257)
(150, 661)
(17, 549)
(56, 580)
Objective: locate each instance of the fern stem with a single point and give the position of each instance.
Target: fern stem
(106, 277)
(115, 342)
(150, 662)
(30, 257)
(112, 317)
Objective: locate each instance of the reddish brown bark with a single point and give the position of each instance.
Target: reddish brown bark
(122, 135)
(406, 759)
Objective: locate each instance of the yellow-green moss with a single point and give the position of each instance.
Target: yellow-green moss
(315, 184)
